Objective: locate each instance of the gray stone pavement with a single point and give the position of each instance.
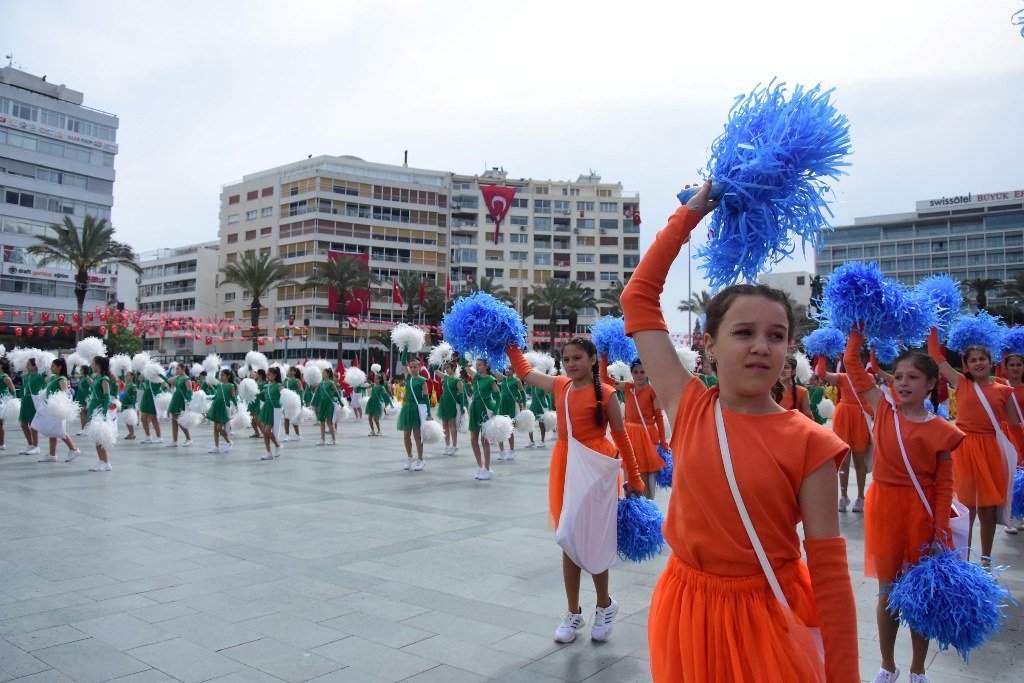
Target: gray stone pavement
(330, 564)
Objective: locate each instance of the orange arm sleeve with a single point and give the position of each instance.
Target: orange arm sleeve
(837, 610)
(641, 298)
(854, 367)
(934, 348)
(519, 363)
(605, 377)
(625, 446)
(659, 419)
(819, 367)
(873, 360)
(943, 501)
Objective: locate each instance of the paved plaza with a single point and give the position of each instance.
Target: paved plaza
(330, 564)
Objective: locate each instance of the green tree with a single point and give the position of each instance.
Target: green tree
(546, 301)
(981, 287)
(489, 286)
(409, 287)
(577, 297)
(257, 274)
(611, 300)
(696, 304)
(85, 249)
(434, 306)
(1014, 289)
(345, 275)
(124, 342)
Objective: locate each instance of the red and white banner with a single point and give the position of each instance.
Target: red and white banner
(498, 201)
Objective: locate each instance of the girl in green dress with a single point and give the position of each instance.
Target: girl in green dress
(59, 382)
(83, 392)
(32, 382)
(270, 413)
(375, 404)
(218, 414)
(99, 404)
(294, 383)
(147, 408)
(182, 395)
(540, 402)
(414, 413)
(485, 398)
(324, 398)
(6, 389)
(257, 405)
(452, 392)
(509, 404)
(129, 399)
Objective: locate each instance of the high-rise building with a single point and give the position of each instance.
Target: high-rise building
(56, 161)
(408, 223)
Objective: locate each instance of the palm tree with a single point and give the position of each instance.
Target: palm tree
(488, 286)
(86, 249)
(610, 301)
(434, 306)
(409, 287)
(981, 288)
(345, 275)
(577, 297)
(1014, 289)
(257, 275)
(547, 300)
(696, 304)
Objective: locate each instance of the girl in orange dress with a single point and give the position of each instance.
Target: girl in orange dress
(850, 424)
(979, 469)
(1014, 364)
(788, 394)
(592, 411)
(644, 424)
(713, 615)
(897, 525)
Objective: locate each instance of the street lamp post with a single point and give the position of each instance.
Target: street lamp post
(1013, 311)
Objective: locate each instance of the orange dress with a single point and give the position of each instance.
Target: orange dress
(582, 409)
(848, 420)
(1016, 432)
(791, 402)
(979, 470)
(642, 429)
(713, 616)
(896, 524)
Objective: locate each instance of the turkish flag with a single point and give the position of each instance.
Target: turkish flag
(498, 201)
(636, 217)
(356, 301)
(396, 296)
(448, 289)
(423, 290)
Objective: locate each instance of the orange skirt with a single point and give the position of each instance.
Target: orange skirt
(896, 527)
(706, 628)
(1016, 434)
(849, 425)
(979, 471)
(556, 474)
(645, 450)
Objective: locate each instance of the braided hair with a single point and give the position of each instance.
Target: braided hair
(591, 350)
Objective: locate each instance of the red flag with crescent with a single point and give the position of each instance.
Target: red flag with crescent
(499, 201)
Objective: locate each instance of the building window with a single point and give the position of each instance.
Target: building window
(267, 192)
(234, 199)
(518, 220)
(630, 261)
(232, 219)
(542, 206)
(520, 256)
(229, 296)
(519, 238)
(542, 259)
(609, 276)
(250, 215)
(494, 272)
(584, 258)
(587, 223)
(584, 206)
(265, 231)
(254, 194)
(609, 259)
(542, 224)
(561, 206)
(267, 211)
(520, 203)
(250, 234)
(586, 276)
(232, 238)
(609, 224)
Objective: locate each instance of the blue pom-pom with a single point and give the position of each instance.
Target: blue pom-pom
(663, 477)
(639, 522)
(1017, 506)
(943, 411)
(772, 163)
(826, 342)
(982, 330)
(860, 293)
(886, 350)
(484, 327)
(1013, 340)
(945, 296)
(609, 336)
(946, 599)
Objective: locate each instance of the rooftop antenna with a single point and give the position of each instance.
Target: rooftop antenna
(10, 59)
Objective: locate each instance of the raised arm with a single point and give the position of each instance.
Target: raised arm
(825, 376)
(608, 379)
(641, 300)
(938, 355)
(526, 373)
(862, 381)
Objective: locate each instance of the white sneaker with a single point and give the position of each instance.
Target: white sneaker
(844, 503)
(884, 676)
(188, 442)
(321, 443)
(227, 446)
(32, 451)
(73, 454)
(502, 455)
(145, 440)
(511, 455)
(542, 445)
(455, 449)
(157, 441)
(418, 466)
(81, 433)
(919, 678)
(3, 447)
(603, 618)
(408, 464)
(478, 473)
(1011, 530)
(297, 438)
(566, 631)
(214, 450)
(24, 451)
(173, 444)
(267, 456)
(101, 466)
(858, 505)
(48, 458)
(486, 474)
(277, 452)
(531, 445)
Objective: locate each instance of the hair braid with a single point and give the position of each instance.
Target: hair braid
(599, 411)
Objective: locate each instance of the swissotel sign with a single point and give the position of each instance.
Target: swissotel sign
(970, 199)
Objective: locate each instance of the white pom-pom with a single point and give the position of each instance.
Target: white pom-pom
(241, 420)
(375, 368)
(19, 358)
(540, 361)
(354, 377)
(408, 337)
(826, 407)
(242, 372)
(470, 370)
(248, 390)
(212, 379)
(128, 417)
(140, 361)
(153, 372)
(199, 403)
(440, 354)
(525, 421)
(803, 367)
(346, 412)
(163, 401)
(212, 364)
(619, 371)
(307, 416)
(431, 432)
(498, 428)
(90, 347)
(688, 357)
(257, 361)
(44, 359)
(10, 409)
(102, 431)
(291, 404)
(323, 364)
(62, 407)
(189, 420)
(195, 370)
(120, 364)
(3, 350)
(550, 420)
(312, 375)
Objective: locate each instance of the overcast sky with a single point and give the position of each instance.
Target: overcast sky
(209, 91)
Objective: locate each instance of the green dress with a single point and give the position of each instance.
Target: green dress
(415, 397)
(709, 380)
(99, 401)
(448, 406)
(4, 391)
(149, 391)
(508, 397)
(130, 396)
(222, 396)
(182, 395)
(324, 396)
(83, 395)
(31, 384)
(53, 386)
(271, 402)
(483, 401)
(375, 404)
(814, 395)
(540, 401)
(256, 404)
